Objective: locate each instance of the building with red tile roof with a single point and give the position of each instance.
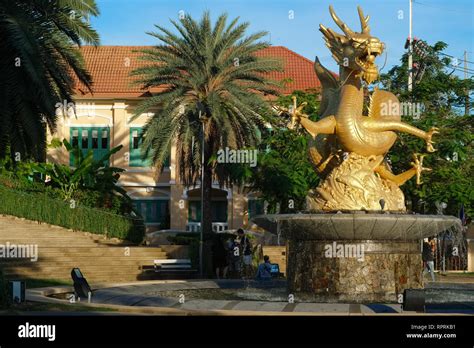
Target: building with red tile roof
(110, 67)
(104, 119)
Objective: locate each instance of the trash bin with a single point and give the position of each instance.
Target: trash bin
(414, 300)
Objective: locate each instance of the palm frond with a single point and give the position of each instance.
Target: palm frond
(38, 58)
(197, 64)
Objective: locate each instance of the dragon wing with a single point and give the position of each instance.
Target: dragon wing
(322, 147)
(330, 93)
(384, 105)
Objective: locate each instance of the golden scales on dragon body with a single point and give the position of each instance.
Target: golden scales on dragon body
(347, 148)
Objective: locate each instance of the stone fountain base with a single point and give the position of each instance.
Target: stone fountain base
(353, 270)
(354, 257)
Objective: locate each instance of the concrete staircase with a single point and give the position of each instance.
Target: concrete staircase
(60, 250)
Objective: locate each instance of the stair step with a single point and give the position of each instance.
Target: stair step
(61, 249)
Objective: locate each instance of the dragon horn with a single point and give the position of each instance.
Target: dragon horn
(325, 31)
(329, 34)
(340, 23)
(364, 21)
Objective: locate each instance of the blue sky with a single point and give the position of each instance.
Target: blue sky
(124, 22)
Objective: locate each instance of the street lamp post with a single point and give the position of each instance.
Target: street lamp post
(410, 51)
(201, 239)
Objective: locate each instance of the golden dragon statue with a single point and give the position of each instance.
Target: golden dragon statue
(348, 148)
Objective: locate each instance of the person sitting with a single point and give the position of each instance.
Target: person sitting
(264, 269)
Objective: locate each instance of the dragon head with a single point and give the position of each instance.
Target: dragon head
(356, 51)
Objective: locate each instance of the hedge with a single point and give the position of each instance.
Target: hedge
(40, 207)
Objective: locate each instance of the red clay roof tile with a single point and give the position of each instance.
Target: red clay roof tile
(110, 67)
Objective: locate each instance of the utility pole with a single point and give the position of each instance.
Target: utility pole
(410, 52)
(467, 105)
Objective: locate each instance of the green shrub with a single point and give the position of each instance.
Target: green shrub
(94, 199)
(85, 197)
(40, 207)
(10, 180)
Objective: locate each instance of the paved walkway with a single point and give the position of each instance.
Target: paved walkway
(154, 296)
(139, 295)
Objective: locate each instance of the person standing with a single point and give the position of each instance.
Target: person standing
(232, 258)
(428, 258)
(219, 257)
(245, 249)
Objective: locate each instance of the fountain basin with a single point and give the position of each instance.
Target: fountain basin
(356, 226)
(354, 257)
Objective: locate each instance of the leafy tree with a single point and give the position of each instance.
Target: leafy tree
(310, 97)
(39, 58)
(211, 71)
(442, 96)
(283, 172)
(437, 89)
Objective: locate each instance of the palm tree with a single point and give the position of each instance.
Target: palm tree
(210, 71)
(39, 58)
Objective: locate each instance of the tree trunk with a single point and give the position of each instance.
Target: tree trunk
(207, 213)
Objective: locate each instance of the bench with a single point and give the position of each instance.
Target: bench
(172, 265)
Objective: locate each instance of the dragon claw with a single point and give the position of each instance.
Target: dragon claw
(295, 113)
(429, 142)
(430, 148)
(418, 165)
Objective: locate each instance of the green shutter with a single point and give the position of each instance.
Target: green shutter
(167, 162)
(255, 207)
(99, 148)
(152, 210)
(218, 210)
(194, 211)
(135, 153)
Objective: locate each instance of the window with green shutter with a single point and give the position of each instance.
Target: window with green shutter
(152, 210)
(96, 139)
(219, 211)
(136, 159)
(255, 207)
(136, 140)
